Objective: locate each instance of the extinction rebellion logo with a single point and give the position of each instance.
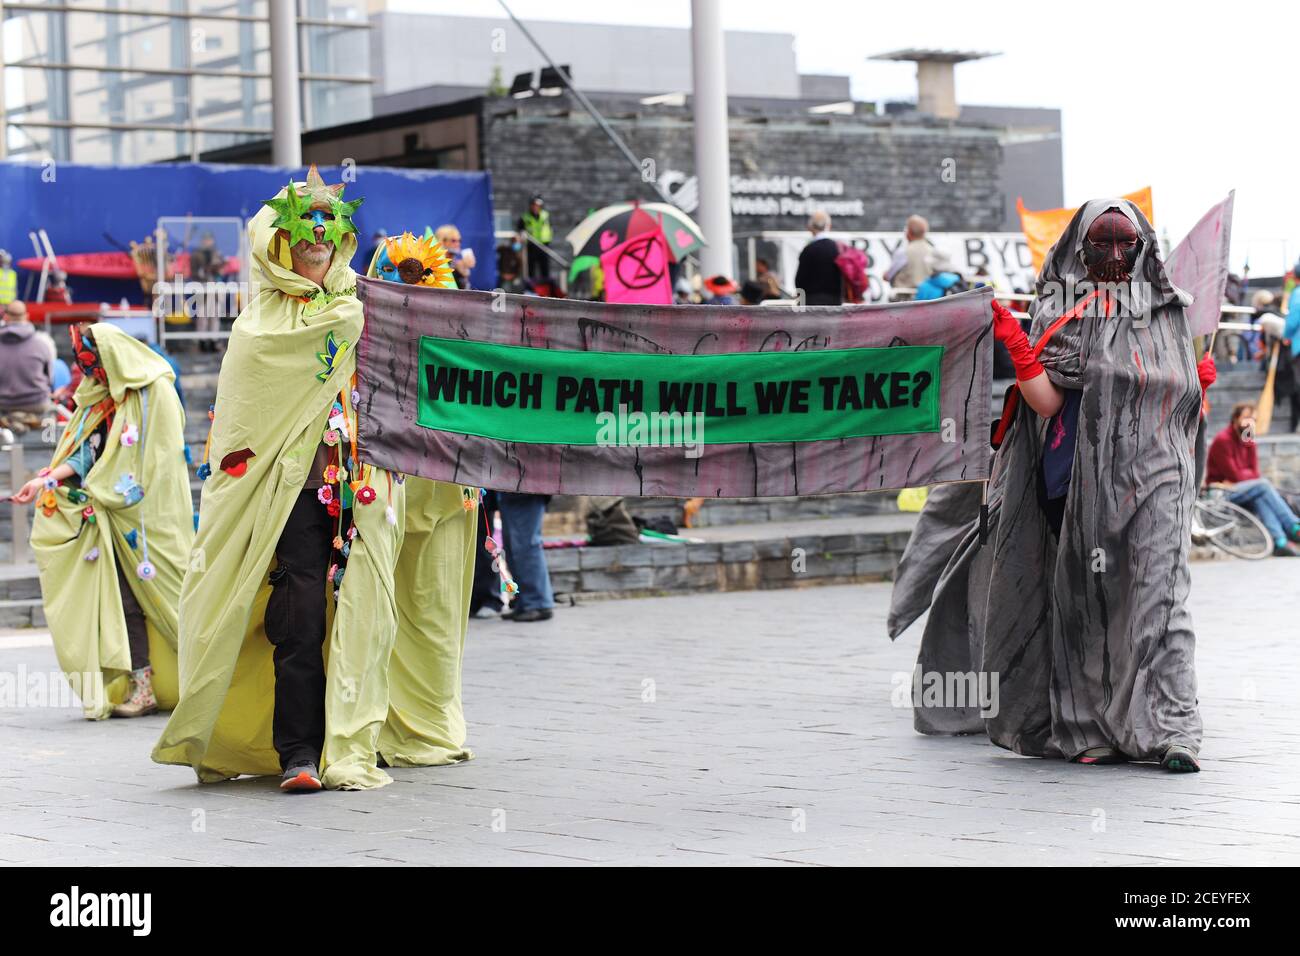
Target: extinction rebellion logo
(75, 908)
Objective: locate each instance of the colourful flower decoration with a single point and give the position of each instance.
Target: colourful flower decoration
(205, 471)
(132, 538)
(212, 413)
(390, 515)
(352, 533)
(366, 495)
(325, 494)
(49, 503)
(129, 489)
(92, 554)
(337, 543)
(331, 474)
(399, 478)
(334, 569)
(88, 513)
(333, 508)
(145, 570)
(130, 435)
(469, 498)
(50, 483)
(331, 437)
(509, 587)
(76, 496)
(330, 358)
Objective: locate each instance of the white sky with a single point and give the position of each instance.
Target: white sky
(1193, 98)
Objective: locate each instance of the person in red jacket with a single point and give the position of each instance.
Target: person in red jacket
(1233, 464)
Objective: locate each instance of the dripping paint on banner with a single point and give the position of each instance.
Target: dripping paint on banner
(558, 396)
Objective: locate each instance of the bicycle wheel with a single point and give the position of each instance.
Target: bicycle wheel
(1232, 529)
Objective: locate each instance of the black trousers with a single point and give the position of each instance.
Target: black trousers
(137, 634)
(539, 264)
(295, 626)
(1053, 508)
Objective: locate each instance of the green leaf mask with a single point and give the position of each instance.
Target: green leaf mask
(293, 210)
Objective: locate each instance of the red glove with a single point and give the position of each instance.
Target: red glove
(1206, 372)
(1007, 330)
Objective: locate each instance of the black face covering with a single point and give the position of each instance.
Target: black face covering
(1110, 248)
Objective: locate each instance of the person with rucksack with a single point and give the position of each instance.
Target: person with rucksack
(943, 279)
(819, 277)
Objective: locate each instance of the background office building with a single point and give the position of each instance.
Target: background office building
(486, 101)
(139, 81)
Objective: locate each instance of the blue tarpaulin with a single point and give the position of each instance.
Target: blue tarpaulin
(77, 204)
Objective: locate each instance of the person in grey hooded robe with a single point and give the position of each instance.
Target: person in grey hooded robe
(1074, 608)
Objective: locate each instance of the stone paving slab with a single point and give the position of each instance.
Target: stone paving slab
(748, 728)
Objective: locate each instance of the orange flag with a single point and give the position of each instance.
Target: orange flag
(1042, 227)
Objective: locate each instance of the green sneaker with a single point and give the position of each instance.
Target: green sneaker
(1180, 759)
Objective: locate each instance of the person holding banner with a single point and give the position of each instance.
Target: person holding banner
(1075, 605)
(434, 577)
(277, 678)
(114, 526)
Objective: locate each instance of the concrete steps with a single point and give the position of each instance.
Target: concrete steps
(20, 596)
(566, 513)
(739, 557)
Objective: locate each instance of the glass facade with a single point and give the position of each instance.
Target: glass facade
(139, 81)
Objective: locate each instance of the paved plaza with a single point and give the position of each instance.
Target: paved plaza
(744, 728)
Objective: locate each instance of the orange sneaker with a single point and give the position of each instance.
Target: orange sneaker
(301, 779)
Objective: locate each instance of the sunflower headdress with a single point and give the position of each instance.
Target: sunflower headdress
(417, 261)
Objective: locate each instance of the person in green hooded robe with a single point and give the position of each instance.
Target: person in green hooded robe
(114, 527)
(435, 574)
(288, 624)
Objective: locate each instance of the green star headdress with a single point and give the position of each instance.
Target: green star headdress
(293, 205)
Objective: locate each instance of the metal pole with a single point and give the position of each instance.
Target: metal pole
(4, 113)
(17, 513)
(286, 123)
(712, 150)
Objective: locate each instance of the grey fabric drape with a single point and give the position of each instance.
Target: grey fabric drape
(1089, 639)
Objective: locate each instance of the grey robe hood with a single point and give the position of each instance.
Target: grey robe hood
(1064, 277)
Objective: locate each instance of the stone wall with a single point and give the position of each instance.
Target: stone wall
(892, 167)
(1279, 460)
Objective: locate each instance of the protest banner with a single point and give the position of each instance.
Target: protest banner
(1001, 259)
(554, 396)
(1199, 265)
(637, 270)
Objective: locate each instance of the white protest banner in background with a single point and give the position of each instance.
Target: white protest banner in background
(1005, 256)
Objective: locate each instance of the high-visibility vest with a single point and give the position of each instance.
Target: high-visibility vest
(539, 227)
(8, 286)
